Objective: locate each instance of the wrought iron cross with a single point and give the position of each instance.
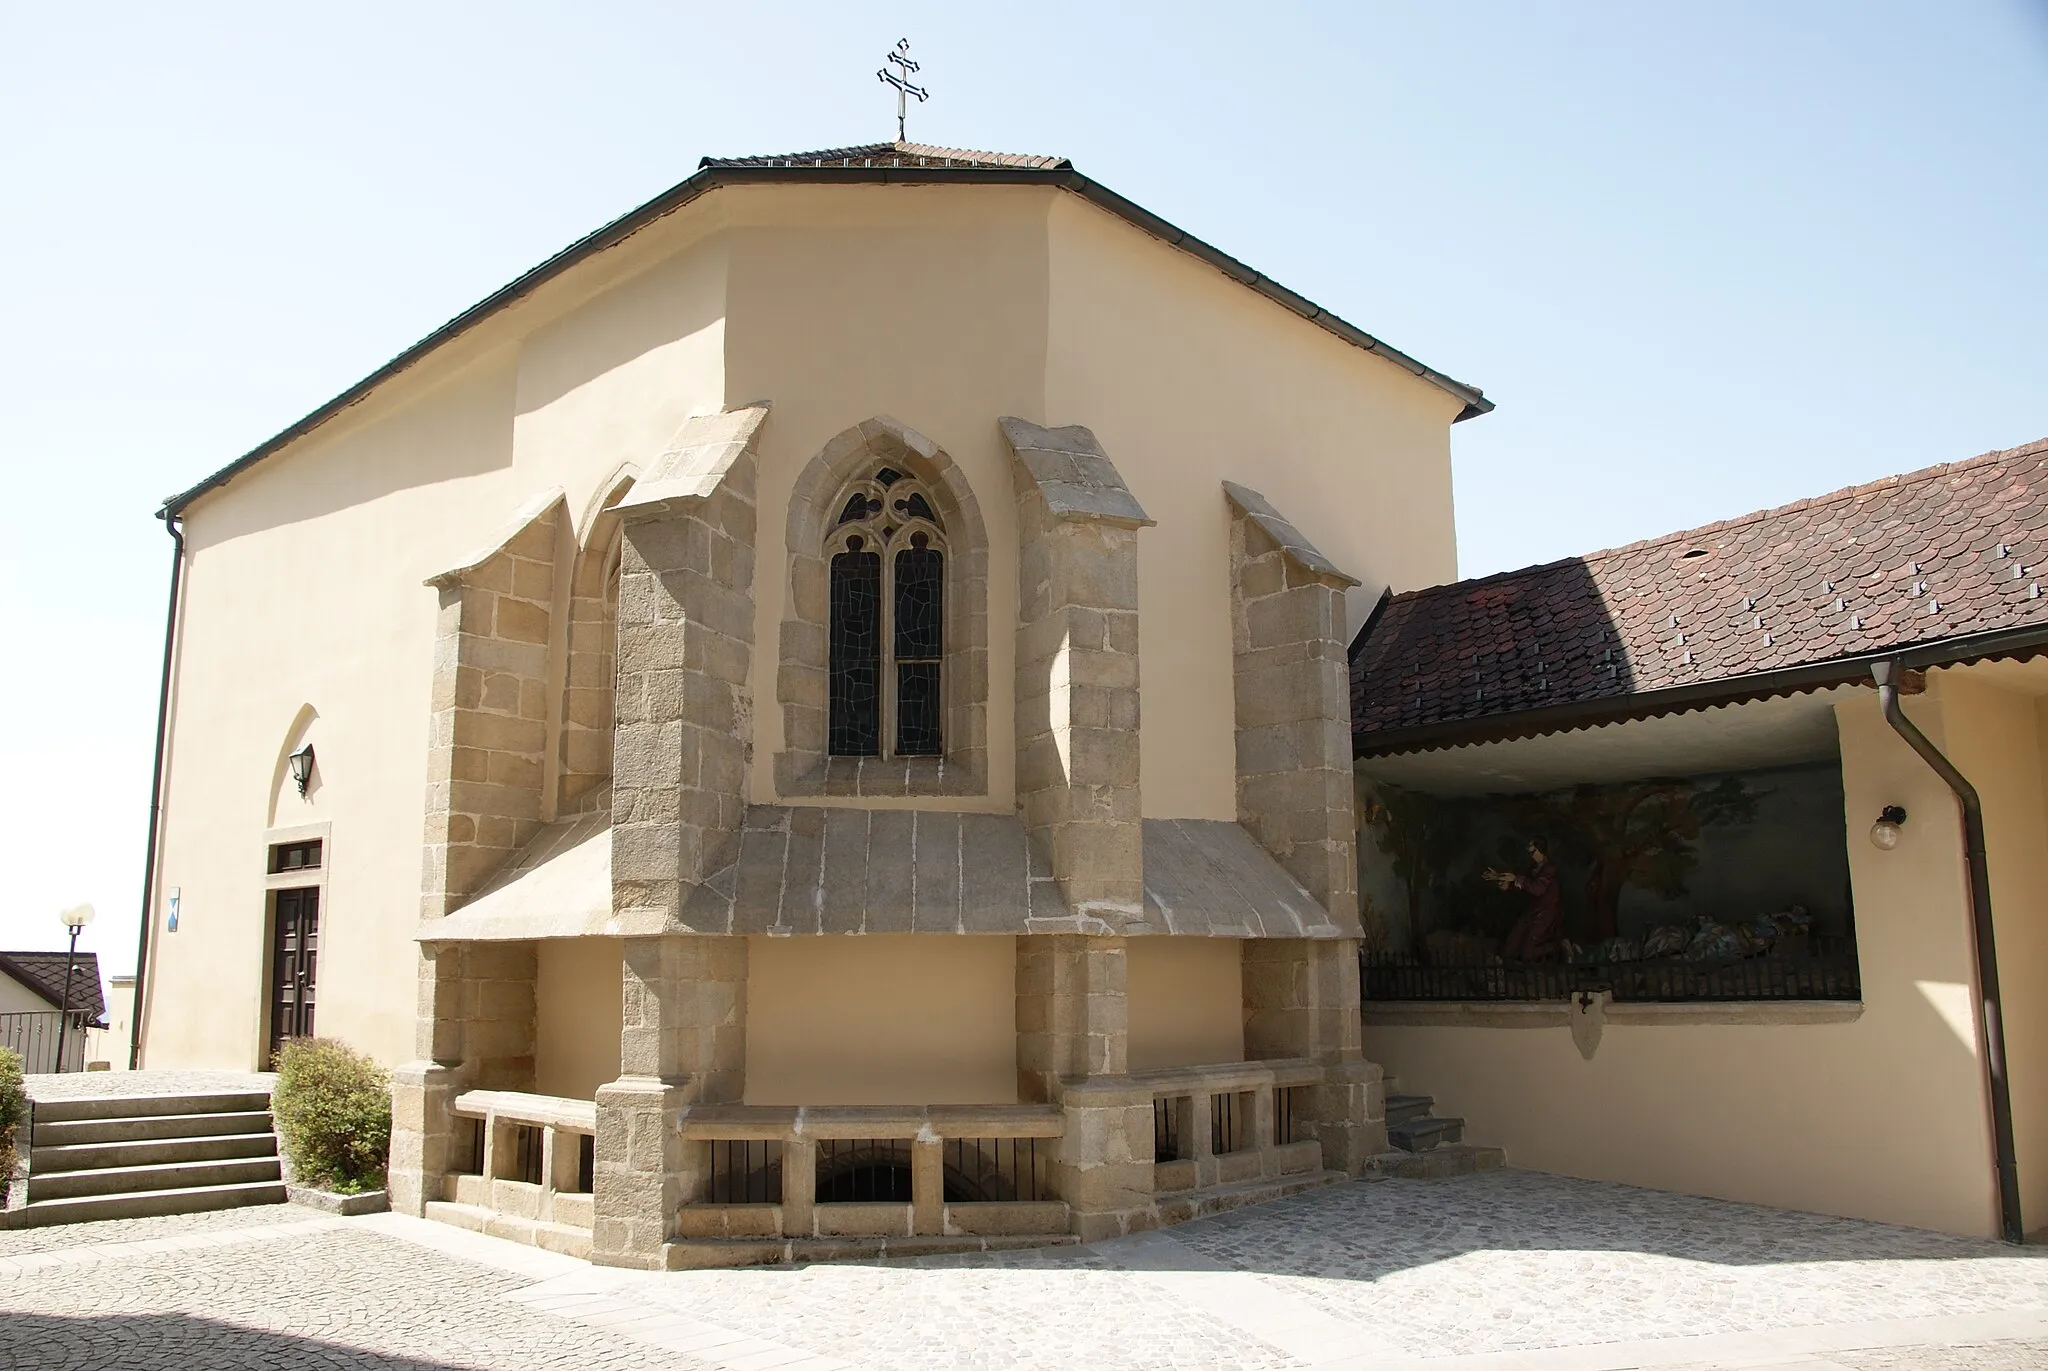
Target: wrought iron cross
(900, 78)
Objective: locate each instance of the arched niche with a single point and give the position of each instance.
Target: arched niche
(804, 766)
(590, 678)
(287, 806)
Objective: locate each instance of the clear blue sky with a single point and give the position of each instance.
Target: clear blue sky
(1706, 257)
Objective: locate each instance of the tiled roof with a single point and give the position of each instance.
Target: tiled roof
(43, 972)
(895, 155)
(1932, 555)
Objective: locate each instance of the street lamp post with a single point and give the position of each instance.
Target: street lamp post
(75, 919)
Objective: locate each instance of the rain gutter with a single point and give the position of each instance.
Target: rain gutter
(156, 792)
(1983, 947)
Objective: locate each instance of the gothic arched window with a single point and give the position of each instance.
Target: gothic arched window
(886, 636)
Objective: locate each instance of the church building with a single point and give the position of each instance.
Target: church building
(815, 722)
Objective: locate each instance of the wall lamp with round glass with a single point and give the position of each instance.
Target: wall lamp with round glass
(1884, 834)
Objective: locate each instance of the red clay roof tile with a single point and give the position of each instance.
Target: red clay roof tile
(1952, 550)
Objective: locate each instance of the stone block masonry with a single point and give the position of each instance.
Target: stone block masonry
(1294, 795)
(1077, 670)
(683, 737)
(487, 764)
(1293, 702)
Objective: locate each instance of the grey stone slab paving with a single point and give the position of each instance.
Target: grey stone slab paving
(77, 1085)
(1504, 1271)
(17, 1242)
(1509, 1260)
(343, 1299)
(2018, 1354)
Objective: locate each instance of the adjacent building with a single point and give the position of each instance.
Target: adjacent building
(1757, 960)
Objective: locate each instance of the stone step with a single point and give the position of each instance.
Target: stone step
(1420, 1135)
(70, 1132)
(564, 1238)
(1452, 1159)
(149, 1106)
(1402, 1108)
(133, 1180)
(148, 1204)
(45, 1160)
(1184, 1205)
(704, 1253)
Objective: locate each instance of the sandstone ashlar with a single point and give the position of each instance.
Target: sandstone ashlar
(488, 739)
(476, 1023)
(1077, 670)
(1073, 1050)
(1301, 1000)
(683, 1043)
(684, 710)
(1293, 701)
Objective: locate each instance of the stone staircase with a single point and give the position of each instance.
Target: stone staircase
(1426, 1147)
(113, 1158)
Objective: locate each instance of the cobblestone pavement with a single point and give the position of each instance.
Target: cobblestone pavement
(73, 1085)
(1504, 1271)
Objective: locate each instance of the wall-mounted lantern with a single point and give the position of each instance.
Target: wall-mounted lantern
(302, 769)
(1884, 834)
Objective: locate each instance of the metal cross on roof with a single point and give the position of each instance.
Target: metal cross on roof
(900, 78)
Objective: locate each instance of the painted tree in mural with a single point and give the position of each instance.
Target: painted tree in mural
(1645, 834)
(1421, 834)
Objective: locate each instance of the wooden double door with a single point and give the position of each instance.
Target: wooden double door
(294, 964)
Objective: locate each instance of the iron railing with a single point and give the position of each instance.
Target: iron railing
(989, 1170)
(1821, 969)
(33, 1037)
(743, 1171)
(1167, 1143)
(1231, 1119)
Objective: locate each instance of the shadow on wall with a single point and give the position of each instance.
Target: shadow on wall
(44, 1342)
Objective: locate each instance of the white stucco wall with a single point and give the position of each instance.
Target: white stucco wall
(1882, 1117)
(305, 615)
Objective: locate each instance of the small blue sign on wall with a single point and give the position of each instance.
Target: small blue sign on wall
(171, 903)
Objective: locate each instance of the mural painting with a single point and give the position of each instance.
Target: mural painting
(1706, 870)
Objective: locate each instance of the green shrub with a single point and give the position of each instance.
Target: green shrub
(13, 1113)
(333, 1110)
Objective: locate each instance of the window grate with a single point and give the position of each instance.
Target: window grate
(1819, 969)
(586, 1164)
(528, 1153)
(1230, 1122)
(989, 1170)
(1290, 1114)
(863, 1171)
(1167, 1143)
(744, 1171)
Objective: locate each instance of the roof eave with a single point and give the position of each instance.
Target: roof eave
(712, 178)
(2028, 641)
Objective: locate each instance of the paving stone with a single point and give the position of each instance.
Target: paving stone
(1506, 1268)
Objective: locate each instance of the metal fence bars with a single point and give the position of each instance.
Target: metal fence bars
(33, 1036)
(743, 1171)
(1817, 969)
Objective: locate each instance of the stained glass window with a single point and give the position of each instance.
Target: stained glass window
(887, 631)
(855, 726)
(920, 630)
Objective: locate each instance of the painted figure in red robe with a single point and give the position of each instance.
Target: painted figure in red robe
(1538, 936)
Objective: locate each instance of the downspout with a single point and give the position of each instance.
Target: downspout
(156, 793)
(1991, 1018)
